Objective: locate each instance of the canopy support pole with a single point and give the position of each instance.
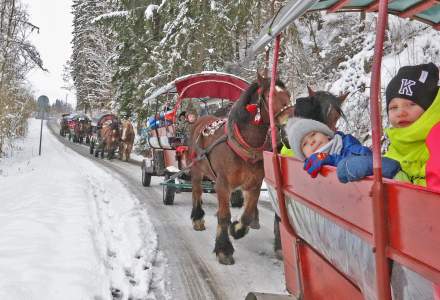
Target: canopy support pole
(276, 164)
(380, 233)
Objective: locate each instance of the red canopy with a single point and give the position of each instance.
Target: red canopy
(204, 85)
(211, 85)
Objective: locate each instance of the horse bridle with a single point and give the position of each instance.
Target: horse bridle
(266, 105)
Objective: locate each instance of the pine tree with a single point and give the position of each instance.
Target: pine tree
(91, 69)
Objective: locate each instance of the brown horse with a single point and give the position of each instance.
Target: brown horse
(127, 140)
(81, 129)
(232, 158)
(110, 137)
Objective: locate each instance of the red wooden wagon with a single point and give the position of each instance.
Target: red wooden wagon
(167, 154)
(364, 240)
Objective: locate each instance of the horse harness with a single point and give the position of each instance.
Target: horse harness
(233, 139)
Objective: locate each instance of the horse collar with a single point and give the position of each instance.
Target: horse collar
(237, 143)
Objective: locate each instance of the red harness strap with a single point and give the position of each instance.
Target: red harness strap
(245, 151)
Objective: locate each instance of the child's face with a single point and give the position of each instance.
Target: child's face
(403, 112)
(312, 142)
(191, 118)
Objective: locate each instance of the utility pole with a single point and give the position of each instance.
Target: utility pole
(43, 103)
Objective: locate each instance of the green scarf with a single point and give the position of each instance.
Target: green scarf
(408, 143)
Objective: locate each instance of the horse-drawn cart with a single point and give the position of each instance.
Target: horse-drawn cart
(372, 239)
(64, 124)
(167, 153)
(81, 128)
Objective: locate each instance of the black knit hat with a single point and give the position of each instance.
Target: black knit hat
(416, 83)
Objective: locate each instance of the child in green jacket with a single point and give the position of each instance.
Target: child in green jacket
(413, 106)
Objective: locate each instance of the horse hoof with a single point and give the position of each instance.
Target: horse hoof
(255, 224)
(225, 259)
(237, 230)
(199, 225)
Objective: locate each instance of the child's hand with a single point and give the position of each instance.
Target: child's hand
(314, 163)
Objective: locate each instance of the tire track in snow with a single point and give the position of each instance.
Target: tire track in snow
(130, 265)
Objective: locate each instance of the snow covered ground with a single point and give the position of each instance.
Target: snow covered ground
(71, 230)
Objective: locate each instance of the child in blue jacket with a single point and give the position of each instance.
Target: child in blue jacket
(318, 145)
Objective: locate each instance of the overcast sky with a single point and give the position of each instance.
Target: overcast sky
(53, 42)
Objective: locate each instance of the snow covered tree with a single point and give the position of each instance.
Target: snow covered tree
(92, 49)
(17, 57)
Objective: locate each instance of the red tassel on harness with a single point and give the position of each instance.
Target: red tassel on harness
(252, 108)
(255, 110)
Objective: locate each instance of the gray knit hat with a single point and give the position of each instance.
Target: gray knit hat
(297, 128)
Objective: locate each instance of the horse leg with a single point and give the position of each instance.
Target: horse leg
(129, 149)
(197, 212)
(223, 246)
(121, 151)
(124, 153)
(239, 229)
(102, 150)
(277, 239)
(255, 224)
(111, 153)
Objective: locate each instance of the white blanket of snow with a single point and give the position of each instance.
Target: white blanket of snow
(69, 229)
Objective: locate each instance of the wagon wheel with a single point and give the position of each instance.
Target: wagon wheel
(237, 199)
(146, 177)
(168, 192)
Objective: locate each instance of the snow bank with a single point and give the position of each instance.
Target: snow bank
(71, 230)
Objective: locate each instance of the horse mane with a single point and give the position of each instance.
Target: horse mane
(238, 112)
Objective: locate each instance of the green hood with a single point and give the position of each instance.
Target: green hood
(408, 144)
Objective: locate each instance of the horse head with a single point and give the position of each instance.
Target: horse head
(321, 106)
(127, 130)
(253, 106)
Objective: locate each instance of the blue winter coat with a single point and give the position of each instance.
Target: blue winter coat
(356, 161)
(354, 168)
(350, 146)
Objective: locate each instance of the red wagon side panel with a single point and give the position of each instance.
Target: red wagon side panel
(414, 227)
(341, 205)
(412, 214)
(290, 261)
(322, 281)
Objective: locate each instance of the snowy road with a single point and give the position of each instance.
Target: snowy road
(192, 270)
